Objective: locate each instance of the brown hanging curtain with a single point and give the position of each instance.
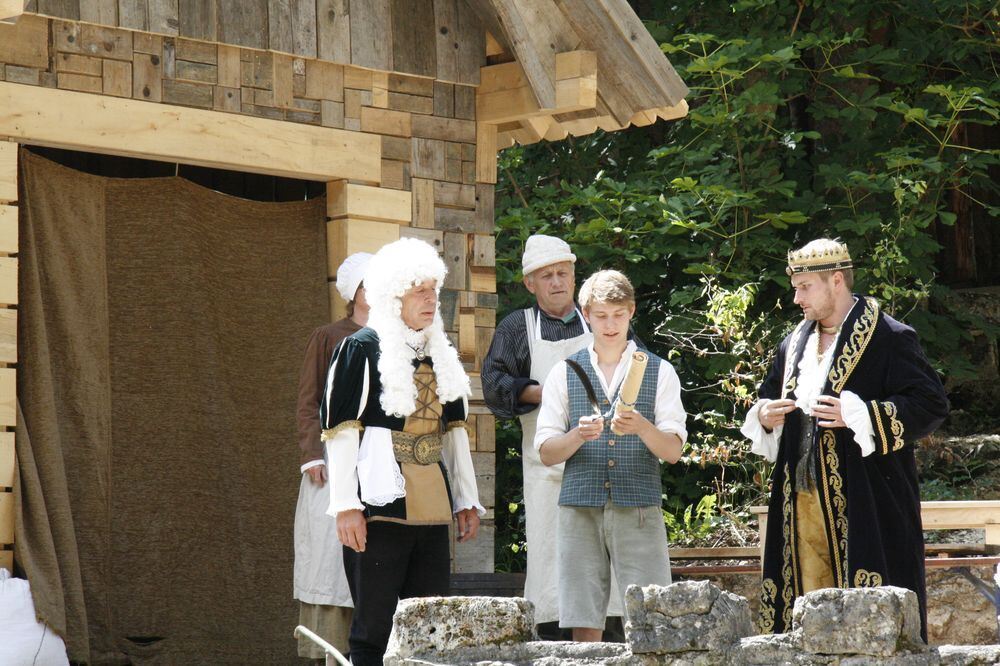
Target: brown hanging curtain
(161, 328)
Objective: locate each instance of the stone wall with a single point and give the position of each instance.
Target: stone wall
(957, 613)
(688, 623)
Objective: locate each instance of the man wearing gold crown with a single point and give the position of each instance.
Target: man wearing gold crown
(847, 397)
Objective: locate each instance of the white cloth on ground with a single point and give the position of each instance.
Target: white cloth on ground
(23, 639)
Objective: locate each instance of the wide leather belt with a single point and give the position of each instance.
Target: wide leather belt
(419, 449)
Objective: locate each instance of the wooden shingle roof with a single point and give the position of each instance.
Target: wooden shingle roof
(544, 68)
(577, 65)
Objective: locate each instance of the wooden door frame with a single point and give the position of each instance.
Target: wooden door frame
(359, 215)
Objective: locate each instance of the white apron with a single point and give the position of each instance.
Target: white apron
(319, 576)
(542, 484)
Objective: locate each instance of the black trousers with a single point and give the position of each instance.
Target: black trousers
(399, 562)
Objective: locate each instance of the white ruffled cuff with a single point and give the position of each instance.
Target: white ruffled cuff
(381, 480)
(764, 443)
(312, 463)
(856, 416)
(342, 452)
(458, 459)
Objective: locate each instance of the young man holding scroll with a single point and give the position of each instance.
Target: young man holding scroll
(609, 504)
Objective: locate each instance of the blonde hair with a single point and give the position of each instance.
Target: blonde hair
(848, 274)
(606, 287)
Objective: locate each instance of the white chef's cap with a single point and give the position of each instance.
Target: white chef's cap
(351, 274)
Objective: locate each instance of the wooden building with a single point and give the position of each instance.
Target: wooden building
(398, 106)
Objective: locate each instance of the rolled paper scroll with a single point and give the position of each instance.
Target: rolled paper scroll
(631, 384)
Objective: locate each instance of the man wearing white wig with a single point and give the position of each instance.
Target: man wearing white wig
(393, 416)
(319, 582)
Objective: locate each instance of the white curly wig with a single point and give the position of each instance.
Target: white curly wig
(393, 270)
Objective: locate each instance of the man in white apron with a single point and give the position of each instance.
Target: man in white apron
(319, 581)
(526, 345)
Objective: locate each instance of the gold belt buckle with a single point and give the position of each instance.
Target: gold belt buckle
(426, 449)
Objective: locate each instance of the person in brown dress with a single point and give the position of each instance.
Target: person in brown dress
(320, 586)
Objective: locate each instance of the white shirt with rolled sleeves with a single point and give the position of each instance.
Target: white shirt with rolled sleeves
(553, 414)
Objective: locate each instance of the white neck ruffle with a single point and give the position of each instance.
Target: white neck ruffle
(395, 365)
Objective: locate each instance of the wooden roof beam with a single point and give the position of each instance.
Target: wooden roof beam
(504, 94)
(11, 9)
(647, 50)
(493, 46)
(631, 61)
(673, 112)
(484, 10)
(643, 118)
(556, 132)
(532, 130)
(533, 31)
(131, 128)
(537, 58)
(505, 140)
(610, 103)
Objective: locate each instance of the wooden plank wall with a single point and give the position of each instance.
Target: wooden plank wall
(442, 39)
(8, 345)
(437, 165)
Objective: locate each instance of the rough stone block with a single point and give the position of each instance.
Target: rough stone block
(430, 627)
(683, 617)
(544, 653)
(969, 655)
(957, 614)
(768, 650)
(880, 621)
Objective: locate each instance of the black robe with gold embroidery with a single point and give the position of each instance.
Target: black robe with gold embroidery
(871, 505)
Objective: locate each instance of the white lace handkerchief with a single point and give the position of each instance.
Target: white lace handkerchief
(378, 472)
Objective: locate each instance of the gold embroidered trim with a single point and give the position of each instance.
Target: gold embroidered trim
(788, 383)
(768, 593)
(865, 578)
(881, 429)
(861, 335)
(330, 433)
(459, 424)
(895, 424)
(416, 449)
(836, 510)
(789, 561)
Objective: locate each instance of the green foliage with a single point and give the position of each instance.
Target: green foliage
(694, 523)
(960, 469)
(509, 511)
(811, 118)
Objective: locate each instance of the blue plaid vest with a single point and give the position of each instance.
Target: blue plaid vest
(615, 466)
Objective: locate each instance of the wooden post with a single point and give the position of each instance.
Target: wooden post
(11, 9)
(486, 153)
(360, 219)
(8, 345)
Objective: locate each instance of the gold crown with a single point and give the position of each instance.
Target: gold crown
(813, 260)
